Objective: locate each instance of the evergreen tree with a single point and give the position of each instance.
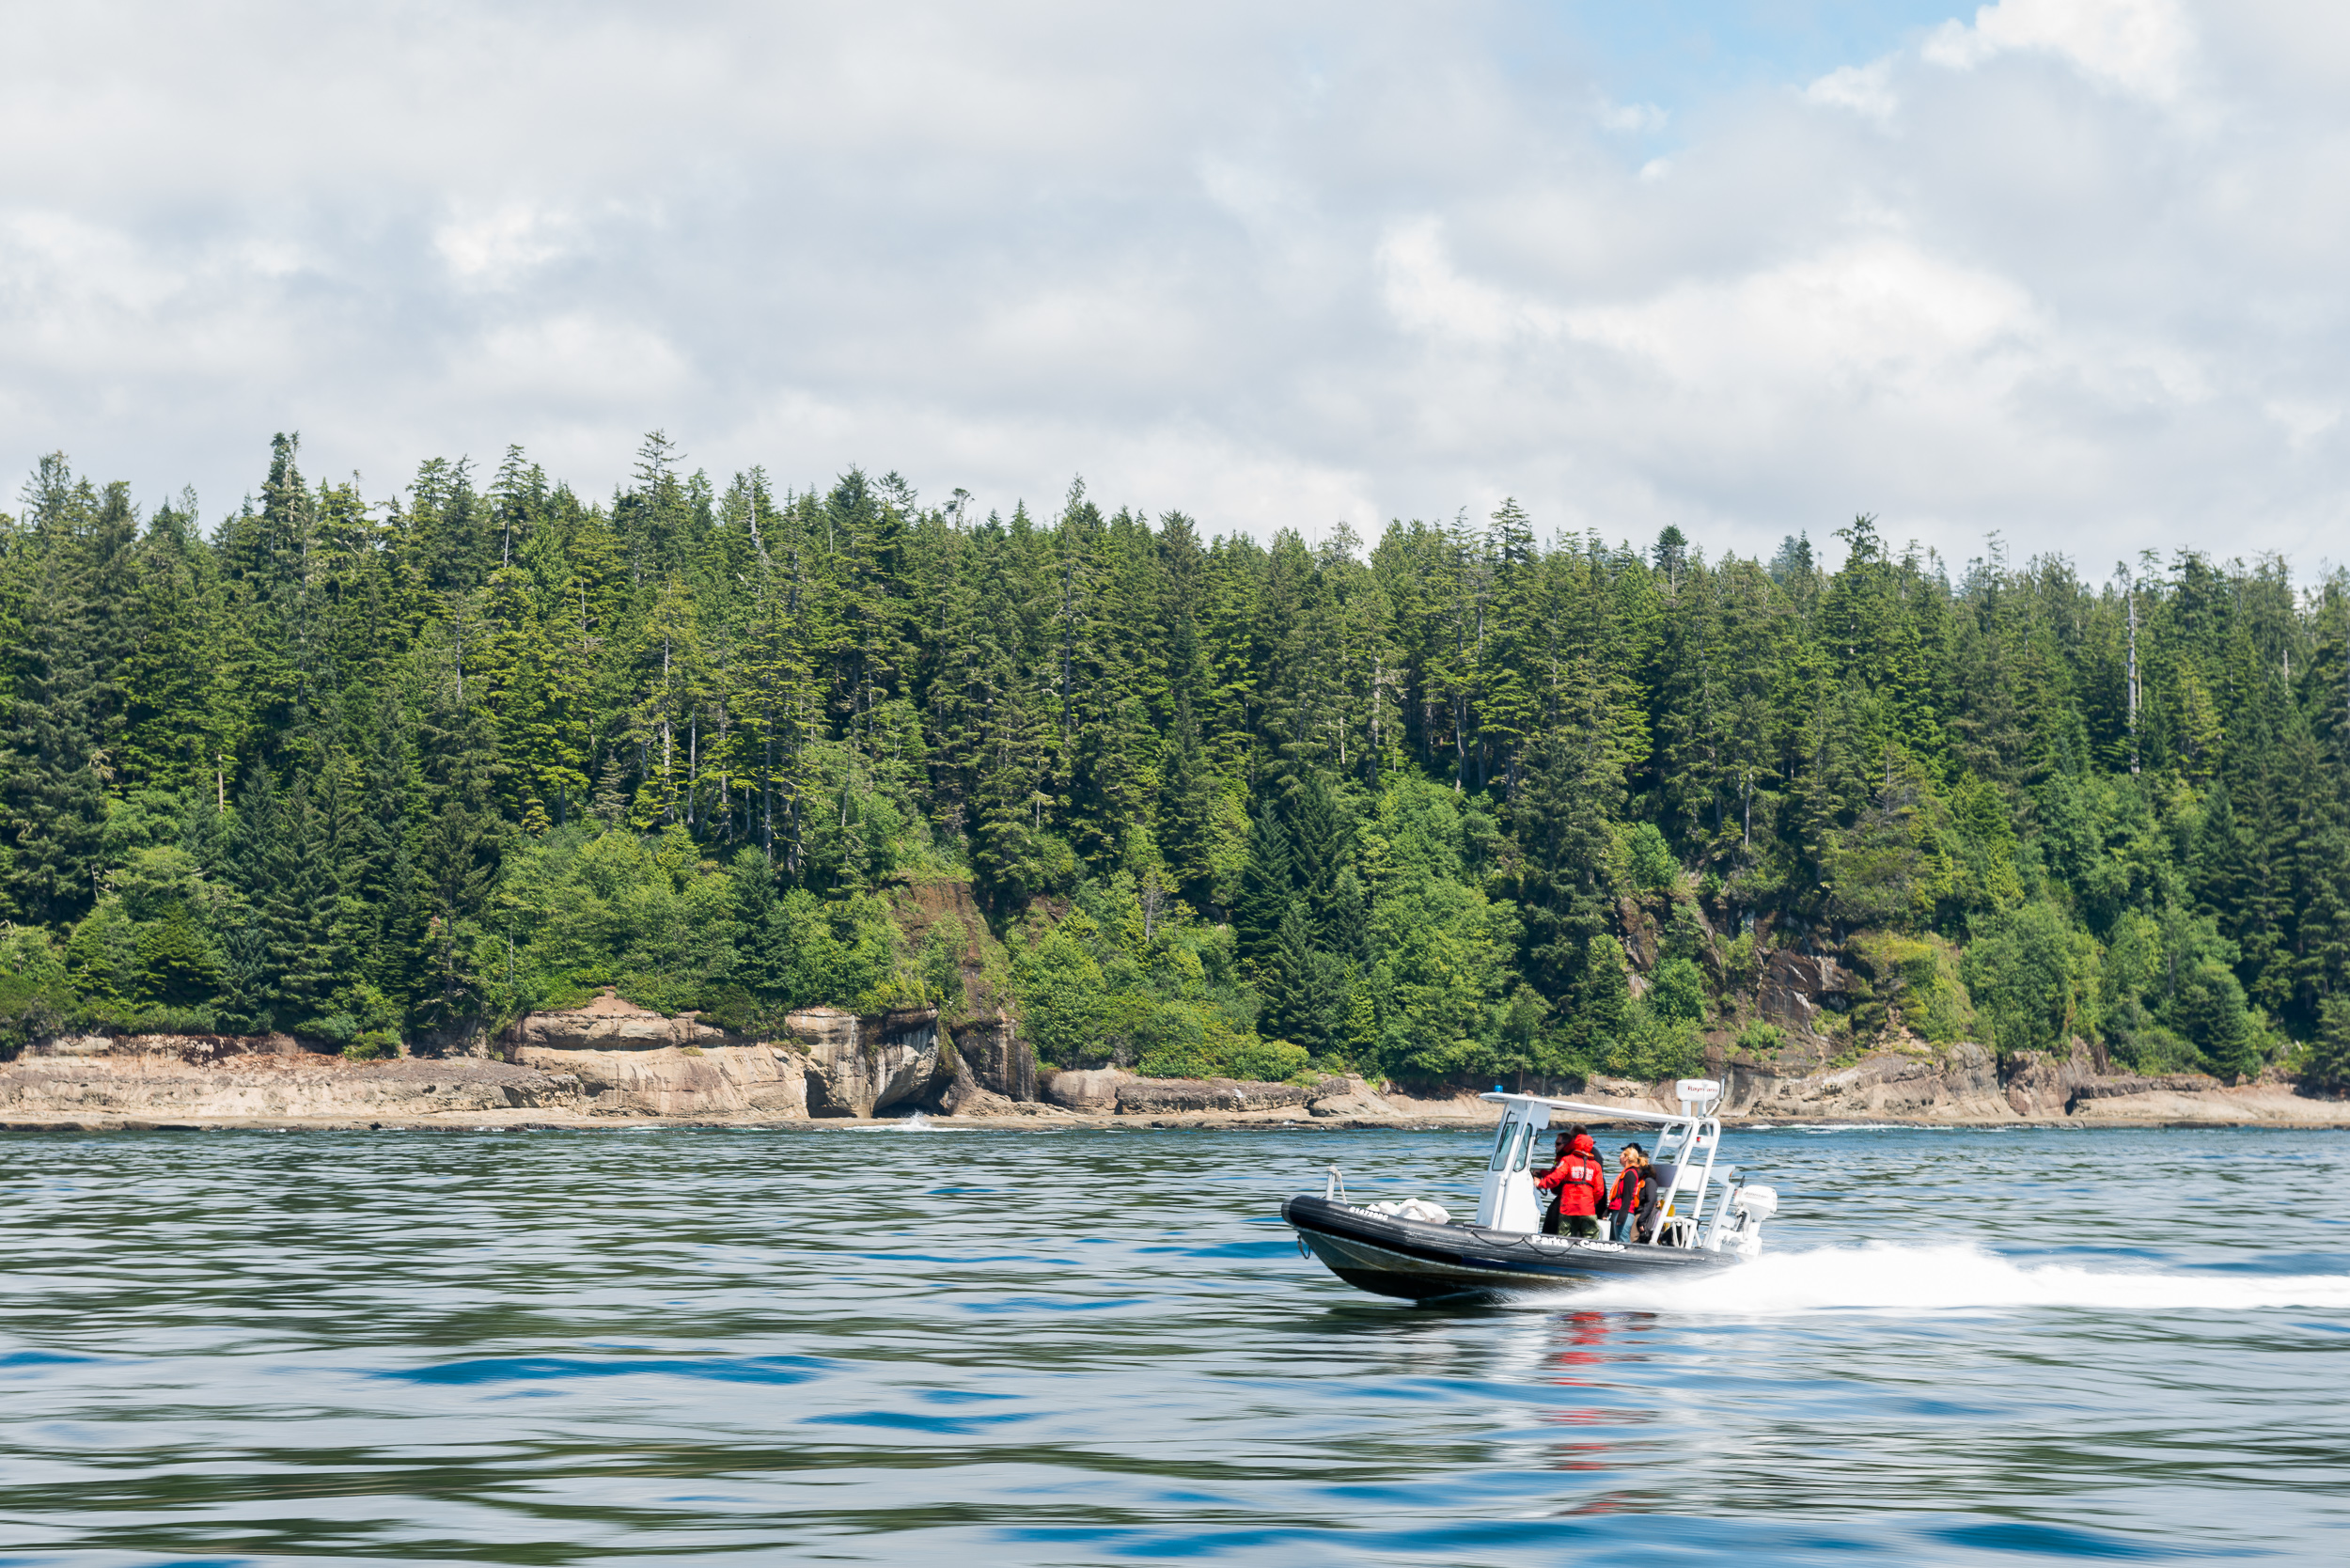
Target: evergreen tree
(1304, 988)
(1565, 886)
(456, 856)
(1268, 884)
(52, 760)
(1186, 808)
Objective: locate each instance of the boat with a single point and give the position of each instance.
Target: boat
(1416, 1249)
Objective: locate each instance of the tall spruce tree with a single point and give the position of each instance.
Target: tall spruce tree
(53, 765)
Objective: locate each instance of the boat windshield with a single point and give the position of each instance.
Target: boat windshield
(1510, 1145)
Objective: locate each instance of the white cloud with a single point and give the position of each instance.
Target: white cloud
(1274, 266)
(2141, 46)
(1876, 319)
(1865, 89)
(1426, 294)
(575, 359)
(496, 247)
(1631, 119)
(2303, 422)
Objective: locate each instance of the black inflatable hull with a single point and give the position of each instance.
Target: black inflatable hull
(1420, 1262)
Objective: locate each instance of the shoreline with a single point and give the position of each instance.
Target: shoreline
(618, 1069)
(541, 1122)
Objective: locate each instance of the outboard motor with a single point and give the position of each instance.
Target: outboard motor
(1748, 1208)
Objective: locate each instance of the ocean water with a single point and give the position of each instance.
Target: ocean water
(967, 1348)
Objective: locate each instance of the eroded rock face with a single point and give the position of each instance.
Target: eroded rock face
(613, 1023)
(858, 1066)
(2175, 1098)
(2127, 1085)
(1794, 986)
(715, 1080)
(1954, 1082)
(2042, 1086)
(965, 1097)
(172, 1083)
(1164, 1096)
(831, 1064)
(1349, 1096)
(1093, 1091)
(1640, 942)
(997, 1060)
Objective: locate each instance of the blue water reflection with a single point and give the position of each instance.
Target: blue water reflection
(1091, 1348)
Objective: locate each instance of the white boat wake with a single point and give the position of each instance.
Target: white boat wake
(917, 1123)
(1953, 1277)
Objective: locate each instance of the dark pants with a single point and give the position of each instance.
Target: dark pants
(1574, 1225)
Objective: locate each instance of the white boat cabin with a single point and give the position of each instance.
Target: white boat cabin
(1683, 1157)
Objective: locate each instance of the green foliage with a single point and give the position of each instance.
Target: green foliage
(2173, 1002)
(1684, 934)
(2208, 1007)
(1063, 992)
(1653, 1045)
(2328, 1067)
(642, 913)
(32, 981)
(1154, 989)
(1917, 984)
(364, 773)
(1741, 963)
(1651, 858)
(1603, 1014)
(1441, 984)
(1761, 1038)
(1217, 1052)
(1677, 991)
(941, 966)
(839, 952)
(2034, 977)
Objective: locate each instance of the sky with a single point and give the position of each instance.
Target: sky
(2068, 274)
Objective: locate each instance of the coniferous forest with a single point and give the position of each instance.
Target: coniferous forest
(1450, 804)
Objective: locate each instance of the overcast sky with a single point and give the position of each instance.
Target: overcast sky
(2069, 270)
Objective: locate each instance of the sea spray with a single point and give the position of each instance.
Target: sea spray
(1955, 1277)
(917, 1122)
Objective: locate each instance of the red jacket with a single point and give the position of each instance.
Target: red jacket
(1578, 1180)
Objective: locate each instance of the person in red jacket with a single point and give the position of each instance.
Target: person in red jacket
(1580, 1184)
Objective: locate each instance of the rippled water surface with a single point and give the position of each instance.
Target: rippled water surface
(966, 1347)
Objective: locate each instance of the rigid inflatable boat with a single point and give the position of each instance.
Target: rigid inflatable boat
(1417, 1250)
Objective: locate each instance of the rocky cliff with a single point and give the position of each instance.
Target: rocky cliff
(1111, 1091)
(612, 1061)
(1963, 1085)
(606, 1059)
(172, 1079)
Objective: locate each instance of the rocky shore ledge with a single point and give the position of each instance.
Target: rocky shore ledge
(614, 1063)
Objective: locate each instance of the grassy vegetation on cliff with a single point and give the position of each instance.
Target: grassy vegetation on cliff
(1453, 805)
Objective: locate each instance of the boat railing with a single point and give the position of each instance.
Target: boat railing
(1334, 1187)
